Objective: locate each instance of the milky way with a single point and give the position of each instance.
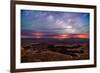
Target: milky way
(54, 22)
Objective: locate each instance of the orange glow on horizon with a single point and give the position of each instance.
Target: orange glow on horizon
(64, 36)
(38, 34)
(60, 36)
(82, 36)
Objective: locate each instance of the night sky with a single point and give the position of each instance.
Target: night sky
(38, 24)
